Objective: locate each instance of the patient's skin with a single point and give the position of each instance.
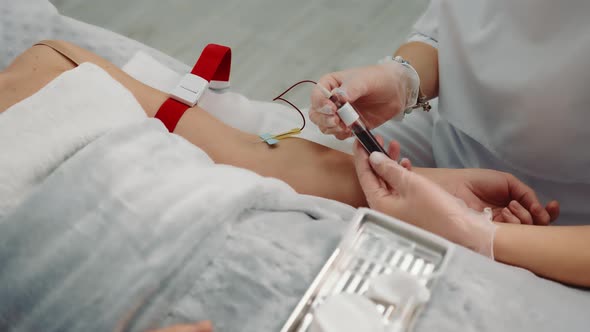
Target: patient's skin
(308, 167)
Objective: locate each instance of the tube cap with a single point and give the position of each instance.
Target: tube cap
(347, 114)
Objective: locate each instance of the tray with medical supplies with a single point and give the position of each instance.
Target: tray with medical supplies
(378, 278)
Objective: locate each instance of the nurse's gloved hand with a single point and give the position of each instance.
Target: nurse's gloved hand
(378, 92)
(510, 200)
(399, 192)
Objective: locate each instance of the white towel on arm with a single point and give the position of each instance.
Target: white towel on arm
(40, 132)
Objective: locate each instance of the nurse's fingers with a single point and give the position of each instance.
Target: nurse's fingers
(323, 120)
(329, 82)
(520, 212)
(330, 125)
(508, 217)
(341, 135)
(372, 186)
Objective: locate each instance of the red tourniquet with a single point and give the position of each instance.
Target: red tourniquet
(214, 64)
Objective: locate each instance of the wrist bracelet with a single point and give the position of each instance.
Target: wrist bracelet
(422, 100)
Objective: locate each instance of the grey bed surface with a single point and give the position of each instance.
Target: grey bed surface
(474, 295)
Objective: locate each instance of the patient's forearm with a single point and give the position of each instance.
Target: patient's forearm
(308, 167)
(561, 253)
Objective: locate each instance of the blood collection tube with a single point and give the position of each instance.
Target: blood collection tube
(352, 120)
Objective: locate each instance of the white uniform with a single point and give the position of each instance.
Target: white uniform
(514, 95)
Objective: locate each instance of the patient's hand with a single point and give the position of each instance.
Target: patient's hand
(511, 200)
(204, 326)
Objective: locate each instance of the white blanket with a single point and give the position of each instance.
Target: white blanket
(111, 218)
(40, 132)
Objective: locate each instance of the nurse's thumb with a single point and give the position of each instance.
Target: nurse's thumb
(388, 170)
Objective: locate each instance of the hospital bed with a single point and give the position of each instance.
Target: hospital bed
(258, 274)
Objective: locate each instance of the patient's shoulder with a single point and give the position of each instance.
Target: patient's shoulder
(29, 72)
(39, 58)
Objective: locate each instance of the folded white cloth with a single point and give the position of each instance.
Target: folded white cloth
(42, 131)
(234, 109)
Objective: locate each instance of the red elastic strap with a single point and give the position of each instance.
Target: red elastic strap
(213, 64)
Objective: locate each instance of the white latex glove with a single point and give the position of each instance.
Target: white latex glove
(399, 192)
(378, 93)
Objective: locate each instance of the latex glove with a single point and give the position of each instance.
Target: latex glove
(378, 92)
(406, 195)
(204, 326)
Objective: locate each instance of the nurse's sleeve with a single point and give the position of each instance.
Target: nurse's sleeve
(426, 28)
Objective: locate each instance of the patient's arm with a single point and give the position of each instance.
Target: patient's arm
(561, 253)
(308, 167)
